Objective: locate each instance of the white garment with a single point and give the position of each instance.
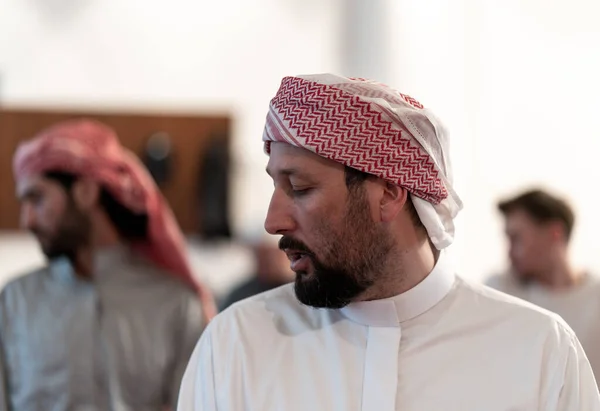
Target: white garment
(579, 306)
(445, 345)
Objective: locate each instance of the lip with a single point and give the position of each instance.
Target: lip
(299, 260)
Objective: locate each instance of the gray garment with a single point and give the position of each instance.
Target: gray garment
(120, 343)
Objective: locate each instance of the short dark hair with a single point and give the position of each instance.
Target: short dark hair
(542, 207)
(356, 177)
(131, 226)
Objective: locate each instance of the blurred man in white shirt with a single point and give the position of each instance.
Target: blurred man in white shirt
(538, 227)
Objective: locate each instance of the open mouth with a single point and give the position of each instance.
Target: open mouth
(299, 260)
(295, 255)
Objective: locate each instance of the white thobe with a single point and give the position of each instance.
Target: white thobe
(446, 344)
(579, 306)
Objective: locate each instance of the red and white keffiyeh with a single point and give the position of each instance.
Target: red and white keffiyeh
(371, 127)
(91, 149)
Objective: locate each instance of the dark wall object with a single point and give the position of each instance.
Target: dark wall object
(213, 192)
(191, 136)
(158, 157)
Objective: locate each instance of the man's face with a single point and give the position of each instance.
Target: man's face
(530, 244)
(49, 212)
(335, 246)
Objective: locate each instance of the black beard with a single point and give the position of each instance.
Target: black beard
(326, 287)
(73, 233)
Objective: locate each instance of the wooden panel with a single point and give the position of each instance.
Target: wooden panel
(190, 136)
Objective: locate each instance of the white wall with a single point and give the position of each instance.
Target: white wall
(539, 107)
(516, 82)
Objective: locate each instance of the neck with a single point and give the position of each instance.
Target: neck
(104, 235)
(405, 271)
(560, 275)
(83, 262)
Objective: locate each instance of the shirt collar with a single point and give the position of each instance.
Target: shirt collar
(105, 261)
(391, 312)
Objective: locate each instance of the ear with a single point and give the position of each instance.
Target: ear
(86, 194)
(393, 201)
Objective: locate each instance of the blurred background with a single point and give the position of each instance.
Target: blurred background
(186, 84)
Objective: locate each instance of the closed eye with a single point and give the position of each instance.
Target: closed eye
(33, 197)
(299, 192)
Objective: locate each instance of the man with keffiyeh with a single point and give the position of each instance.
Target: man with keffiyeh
(111, 322)
(378, 319)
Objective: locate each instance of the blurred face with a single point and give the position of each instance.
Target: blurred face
(49, 212)
(530, 244)
(336, 248)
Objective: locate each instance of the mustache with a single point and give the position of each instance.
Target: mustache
(293, 244)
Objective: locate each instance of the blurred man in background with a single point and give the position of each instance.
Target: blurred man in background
(539, 227)
(111, 322)
(272, 269)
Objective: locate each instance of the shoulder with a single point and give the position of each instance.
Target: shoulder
(515, 329)
(24, 282)
(147, 274)
(593, 281)
(491, 297)
(164, 290)
(22, 291)
(504, 310)
(521, 333)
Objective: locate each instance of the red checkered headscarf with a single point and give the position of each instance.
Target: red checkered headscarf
(91, 149)
(371, 127)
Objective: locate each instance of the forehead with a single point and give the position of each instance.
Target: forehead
(520, 220)
(286, 159)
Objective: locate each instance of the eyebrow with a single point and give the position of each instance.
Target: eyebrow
(283, 172)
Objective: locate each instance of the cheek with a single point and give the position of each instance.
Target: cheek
(519, 254)
(530, 254)
(321, 220)
(313, 212)
(540, 251)
(49, 215)
(319, 233)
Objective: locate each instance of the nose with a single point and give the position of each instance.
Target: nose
(28, 219)
(279, 216)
